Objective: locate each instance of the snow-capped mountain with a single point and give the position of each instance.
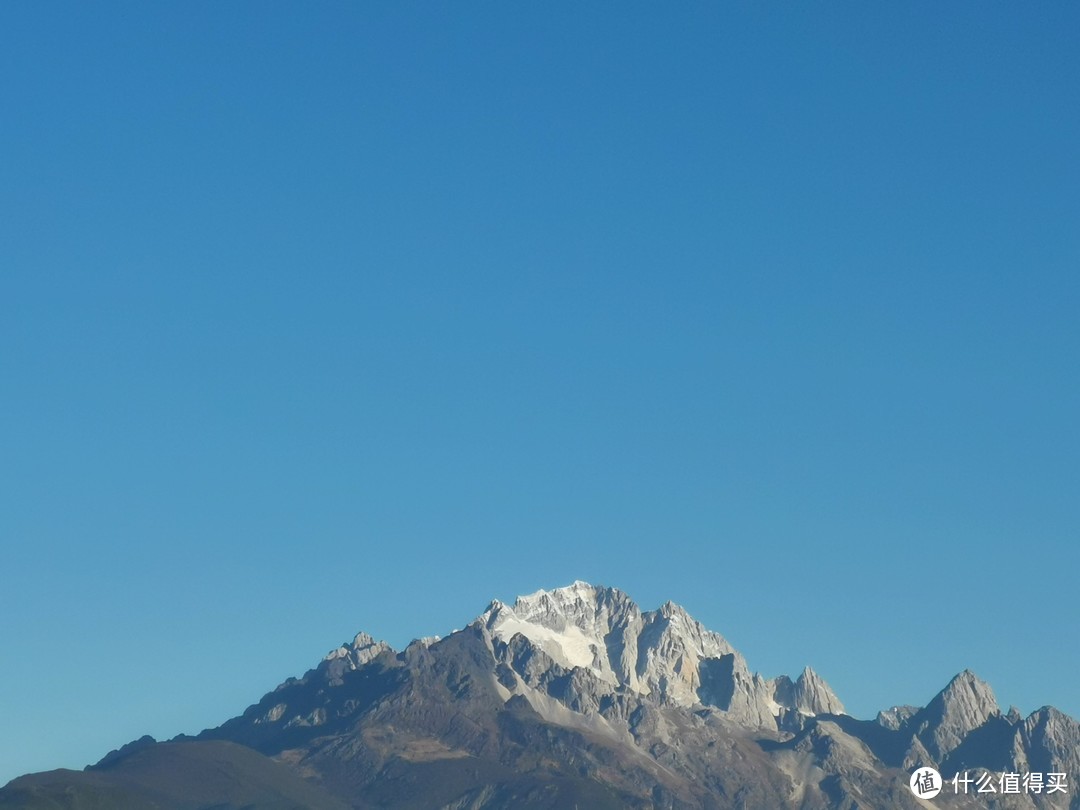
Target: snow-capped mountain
(573, 697)
(663, 653)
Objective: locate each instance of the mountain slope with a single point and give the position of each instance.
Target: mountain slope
(172, 776)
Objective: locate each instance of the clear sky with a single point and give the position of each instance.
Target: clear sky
(319, 319)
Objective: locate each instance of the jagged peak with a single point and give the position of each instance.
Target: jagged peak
(363, 646)
(363, 639)
(1047, 714)
(809, 678)
(665, 653)
(576, 592)
(675, 612)
(965, 704)
(896, 716)
(813, 696)
(1055, 736)
(966, 676)
(577, 587)
(969, 689)
(588, 607)
(568, 623)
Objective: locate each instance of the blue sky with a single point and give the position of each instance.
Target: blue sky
(318, 320)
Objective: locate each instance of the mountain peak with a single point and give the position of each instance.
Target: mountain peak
(813, 696)
(968, 691)
(965, 704)
(670, 610)
(664, 654)
(576, 593)
(348, 657)
(569, 624)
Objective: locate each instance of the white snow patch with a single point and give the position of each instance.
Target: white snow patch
(570, 648)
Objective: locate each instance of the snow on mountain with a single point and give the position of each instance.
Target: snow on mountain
(664, 653)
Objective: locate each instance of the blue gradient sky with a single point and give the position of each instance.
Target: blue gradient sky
(315, 320)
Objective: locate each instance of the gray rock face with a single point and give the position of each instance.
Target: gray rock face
(812, 696)
(895, 717)
(963, 706)
(1048, 741)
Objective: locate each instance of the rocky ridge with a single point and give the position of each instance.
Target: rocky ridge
(663, 654)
